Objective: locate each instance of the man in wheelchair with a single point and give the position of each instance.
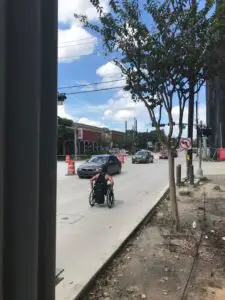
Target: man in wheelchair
(101, 184)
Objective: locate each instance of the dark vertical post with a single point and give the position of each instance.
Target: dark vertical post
(48, 151)
(178, 175)
(191, 174)
(20, 140)
(2, 134)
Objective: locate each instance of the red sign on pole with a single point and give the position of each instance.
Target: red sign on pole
(185, 143)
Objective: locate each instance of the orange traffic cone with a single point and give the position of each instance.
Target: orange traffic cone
(67, 158)
(71, 168)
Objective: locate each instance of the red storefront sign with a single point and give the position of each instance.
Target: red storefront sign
(221, 154)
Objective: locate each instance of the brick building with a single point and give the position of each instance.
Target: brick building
(95, 139)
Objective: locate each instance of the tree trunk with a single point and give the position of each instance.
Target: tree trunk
(172, 192)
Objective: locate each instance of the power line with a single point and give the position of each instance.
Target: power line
(79, 44)
(90, 84)
(78, 40)
(97, 90)
(75, 56)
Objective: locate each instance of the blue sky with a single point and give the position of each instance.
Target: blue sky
(81, 62)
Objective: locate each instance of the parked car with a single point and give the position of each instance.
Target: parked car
(96, 163)
(164, 154)
(143, 156)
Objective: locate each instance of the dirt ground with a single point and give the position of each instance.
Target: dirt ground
(158, 264)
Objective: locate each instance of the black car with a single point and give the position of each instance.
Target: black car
(96, 163)
(143, 156)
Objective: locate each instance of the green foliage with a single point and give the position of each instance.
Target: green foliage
(64, 132)
(141, 138)
(160, 57)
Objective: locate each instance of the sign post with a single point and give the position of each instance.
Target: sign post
(185, 144)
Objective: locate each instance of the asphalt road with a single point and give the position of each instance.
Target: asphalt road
(87, 236)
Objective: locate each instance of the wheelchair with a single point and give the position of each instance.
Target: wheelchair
(102, 195)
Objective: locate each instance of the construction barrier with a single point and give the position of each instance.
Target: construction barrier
(221, 154)
(71, 168)
(67, 159)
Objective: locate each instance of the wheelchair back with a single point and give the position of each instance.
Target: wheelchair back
(100, 189)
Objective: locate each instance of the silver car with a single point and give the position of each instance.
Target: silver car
(143, 156)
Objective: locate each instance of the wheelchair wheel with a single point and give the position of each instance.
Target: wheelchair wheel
(91, 199)
(110, 199)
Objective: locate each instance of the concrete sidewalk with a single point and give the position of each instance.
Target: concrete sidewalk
(212, 168)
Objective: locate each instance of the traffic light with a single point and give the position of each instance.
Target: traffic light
(207, 131)
(160, 125)
(61, 98)
(204, 131)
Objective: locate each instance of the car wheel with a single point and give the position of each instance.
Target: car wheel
(152, 160)
(132, 161)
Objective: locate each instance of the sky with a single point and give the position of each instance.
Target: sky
(81, 62)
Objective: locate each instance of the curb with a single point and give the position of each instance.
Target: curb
(145, 220)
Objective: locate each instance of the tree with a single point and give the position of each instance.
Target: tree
(65, 134)
(155, 53)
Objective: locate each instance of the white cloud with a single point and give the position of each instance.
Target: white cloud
(110, 72)
(90, 122)
(124, 114)
(63, 113)
(67, 8)
(120, 107)
(108, 112)
(74, 42)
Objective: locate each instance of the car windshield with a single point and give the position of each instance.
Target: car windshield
(98, 159)
(141, 153)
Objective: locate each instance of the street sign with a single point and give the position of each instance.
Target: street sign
(185, 144)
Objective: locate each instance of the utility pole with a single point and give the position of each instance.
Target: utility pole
(191, 102)
(199, 173)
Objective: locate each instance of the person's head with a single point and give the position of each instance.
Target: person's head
(104, 170)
